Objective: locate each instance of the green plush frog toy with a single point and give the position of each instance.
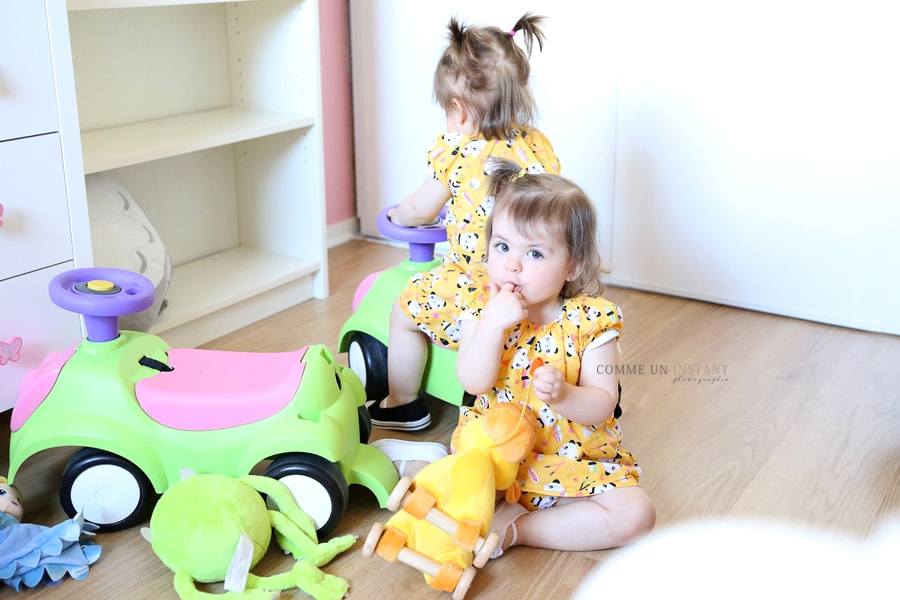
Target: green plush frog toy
(213, 528)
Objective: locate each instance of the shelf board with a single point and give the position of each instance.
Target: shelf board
(95, 4)
(224, 279)
(127, 145)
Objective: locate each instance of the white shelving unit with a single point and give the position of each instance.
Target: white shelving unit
(209, 114)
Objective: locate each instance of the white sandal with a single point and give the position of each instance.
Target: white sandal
(505, 519)
(402, 452)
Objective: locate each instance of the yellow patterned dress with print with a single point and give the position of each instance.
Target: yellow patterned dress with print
(569, 459)
(458, 161)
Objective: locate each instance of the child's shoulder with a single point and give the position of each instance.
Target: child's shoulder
(533, 135)
(588, 301)
(453, 139)
(530, 131)
(593, 309)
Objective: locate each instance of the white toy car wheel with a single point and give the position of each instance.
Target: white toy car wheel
(106, 489)
(318, 486)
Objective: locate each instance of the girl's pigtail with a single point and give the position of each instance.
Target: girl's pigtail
(459, 51)
(457, 32)
(462, 54)
(528, 24)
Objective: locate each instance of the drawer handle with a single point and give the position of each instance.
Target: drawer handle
(9, 351)
(1, 214)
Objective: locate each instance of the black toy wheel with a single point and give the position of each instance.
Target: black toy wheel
(365, 424)
(108, 490)
(317, 485)
(367, 358)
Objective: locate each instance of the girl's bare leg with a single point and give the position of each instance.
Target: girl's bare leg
(609, 520)
(407, 352)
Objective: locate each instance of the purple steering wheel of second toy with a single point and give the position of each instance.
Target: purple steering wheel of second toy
(421, 239)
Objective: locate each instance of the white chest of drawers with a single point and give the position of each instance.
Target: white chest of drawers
(37, 194)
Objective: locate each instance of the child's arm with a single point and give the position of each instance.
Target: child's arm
(422, 206)
(593, 400)
(481, 342)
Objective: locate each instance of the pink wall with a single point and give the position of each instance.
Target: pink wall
(337, 110)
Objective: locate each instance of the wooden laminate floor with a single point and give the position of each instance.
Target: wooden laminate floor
(731, 413)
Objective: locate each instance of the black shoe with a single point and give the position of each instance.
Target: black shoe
(409, 417)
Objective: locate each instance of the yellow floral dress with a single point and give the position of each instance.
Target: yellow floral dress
(458, 161)
(569, 459)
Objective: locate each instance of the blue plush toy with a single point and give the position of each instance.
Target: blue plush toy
(32, 555)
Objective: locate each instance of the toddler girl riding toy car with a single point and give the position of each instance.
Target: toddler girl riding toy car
(364, 337)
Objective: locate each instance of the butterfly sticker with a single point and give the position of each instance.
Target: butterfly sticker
(9, 351)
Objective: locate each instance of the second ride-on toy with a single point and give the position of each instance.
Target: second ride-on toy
(144, 414)
(364, 337)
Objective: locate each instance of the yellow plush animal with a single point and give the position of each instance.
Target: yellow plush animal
(443, 528)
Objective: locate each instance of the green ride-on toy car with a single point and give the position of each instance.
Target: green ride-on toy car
(144, 414)
(364, 337)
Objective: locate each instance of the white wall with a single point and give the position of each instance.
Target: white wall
(757, 157)
(743, 153)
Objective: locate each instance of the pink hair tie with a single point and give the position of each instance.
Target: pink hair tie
(512, 32)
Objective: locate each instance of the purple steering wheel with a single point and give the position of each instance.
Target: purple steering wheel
(421, 239)
(102, 295)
